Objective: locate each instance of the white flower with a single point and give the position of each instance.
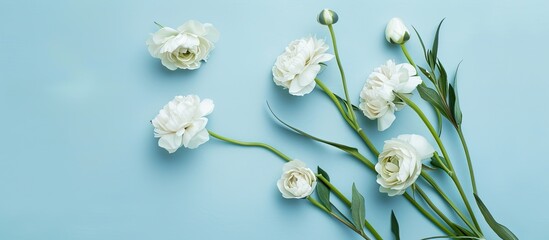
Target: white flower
(377, 98)
(182, 122)
(297, 181)
(396, 32)
(399, 163)
(185, 47)
(298, 66)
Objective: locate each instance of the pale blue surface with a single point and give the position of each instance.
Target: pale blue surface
(78, 159)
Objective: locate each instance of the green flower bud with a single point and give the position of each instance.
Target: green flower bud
(327, 17)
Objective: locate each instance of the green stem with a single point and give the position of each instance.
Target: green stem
(405, 51)
(435, 208)
(348, 203)
(454, 177)
(469, 162)
(437, 188)
(252, 144)
(353, 125)
(343, 79)
(428, 215)
(321, 207)
(334, 99)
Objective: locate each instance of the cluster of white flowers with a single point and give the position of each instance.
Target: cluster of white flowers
(182, 122)
(184, 48)
(297, 67)
(377, 98)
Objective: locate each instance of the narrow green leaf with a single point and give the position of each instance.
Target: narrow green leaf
(452, 237)
(463, 230)
(458, 116)
(439, 121)
(442, 80)
(322, 191)
(345, 148)
(432, 97)
(435, 163)
(435, 46)
(421, 41)
(394, 226)
(345, 102)
(502, 231)
(427, 74)
(358, 210)
(427, 167)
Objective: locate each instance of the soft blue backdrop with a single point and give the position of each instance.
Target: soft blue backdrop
(78, 159)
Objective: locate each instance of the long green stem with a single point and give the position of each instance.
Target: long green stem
(348, 203)
(334, 99)
(468, 157)
(428, 215)
(454, 177)
(436, 209)
(343, 79)
(353, 125)
(405, 51)
(252, 144)
(437, 188)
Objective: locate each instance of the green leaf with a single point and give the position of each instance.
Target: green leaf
(502, 231)
(345, 102)
(421, 41)
(454, 100)
(435, 162)
(432, 97)
(439, 121)
(427, 74)
(463, 230)
(442, 80)
(358, 210)
(394, 226)
(435, 47)
(345, 148)
(322, 191)
(452, 237)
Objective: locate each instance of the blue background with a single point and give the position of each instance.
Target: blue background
(78, 87)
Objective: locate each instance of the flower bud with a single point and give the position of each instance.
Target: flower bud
(396, 32)
(327, 17)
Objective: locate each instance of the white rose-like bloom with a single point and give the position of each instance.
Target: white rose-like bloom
(377, 99)
(297, 67)
(297, 181)
(396, 32)
(182, 122)
(185, 47)
(399, 164)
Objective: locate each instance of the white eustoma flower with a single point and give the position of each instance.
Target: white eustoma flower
(184, 48)
(396, 32)
(399, 164)
(377, 98)
(182, 122)
(297, 67)
(297, 181)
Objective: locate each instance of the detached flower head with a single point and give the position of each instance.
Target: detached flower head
(297, 181)
(185, 47)
(399, 164)
(377, 98)
(327, 17)
(297, 67)
(396, 32)
(182, 122)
